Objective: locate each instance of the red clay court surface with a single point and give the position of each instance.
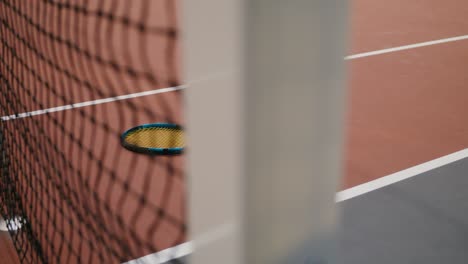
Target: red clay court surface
(405, 107)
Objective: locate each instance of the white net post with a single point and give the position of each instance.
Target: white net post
(265, 108)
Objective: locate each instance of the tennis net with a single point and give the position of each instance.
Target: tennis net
(74, 75)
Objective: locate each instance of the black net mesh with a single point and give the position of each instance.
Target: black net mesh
(74, 75)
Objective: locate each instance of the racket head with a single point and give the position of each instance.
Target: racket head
(154, 139)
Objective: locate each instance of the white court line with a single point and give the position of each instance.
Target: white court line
(400, 176)
(165, 255)
(14, 223)
(406, 47)
(93, 102)
(164, 90)
(187, 247)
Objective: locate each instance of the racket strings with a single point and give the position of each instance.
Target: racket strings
(156, 137)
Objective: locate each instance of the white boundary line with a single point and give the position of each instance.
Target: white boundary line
(170, 89)
(187, 247)
(165, 255)
(14, 223)
(406, 47)
(89, 103)
(400, 176)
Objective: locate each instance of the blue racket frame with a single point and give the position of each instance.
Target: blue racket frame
(154, 151)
